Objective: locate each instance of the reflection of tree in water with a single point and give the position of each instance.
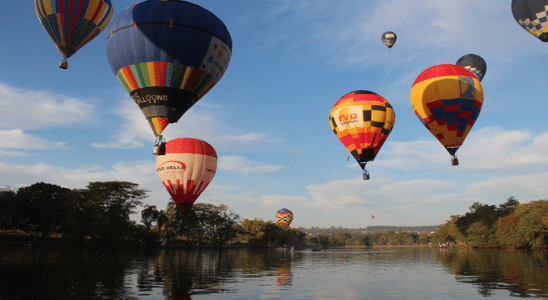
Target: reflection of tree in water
(62, 274)
(522, 273)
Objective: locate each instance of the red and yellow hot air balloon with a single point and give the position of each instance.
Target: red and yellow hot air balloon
(447, 99)
(73, 23)
(362, 120)
(186, 169)
(284, 217)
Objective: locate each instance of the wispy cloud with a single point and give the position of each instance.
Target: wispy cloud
(28, 109)
(490, 148)
(239, 164)
(18, 139)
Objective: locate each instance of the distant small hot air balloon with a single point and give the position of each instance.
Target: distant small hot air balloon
(373, 217)
(186, 169)
(389, 39)
(447, 99)
(531, 15)
(167, 55)
(73, 23)
(284, 217)
(473, 63)
(362, 120)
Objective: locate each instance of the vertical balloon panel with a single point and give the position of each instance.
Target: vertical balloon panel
(186, 169)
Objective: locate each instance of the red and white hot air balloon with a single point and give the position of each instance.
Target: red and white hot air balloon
(186, 169)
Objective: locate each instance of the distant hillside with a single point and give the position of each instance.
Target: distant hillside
(369, 229)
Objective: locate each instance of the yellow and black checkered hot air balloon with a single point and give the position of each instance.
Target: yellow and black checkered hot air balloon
(362, 120)
(284, 217)
(447, 99)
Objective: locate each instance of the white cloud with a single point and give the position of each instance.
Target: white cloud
(498, 189)
(236, 163)
(23, 175)
(18, 139)
(487, 149)
(280, 201)
(205, 122)
(28, 109)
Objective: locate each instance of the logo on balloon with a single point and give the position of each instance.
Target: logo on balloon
(346, 116)
(171, 165)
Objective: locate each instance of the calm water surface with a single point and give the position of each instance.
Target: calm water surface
(418, 273)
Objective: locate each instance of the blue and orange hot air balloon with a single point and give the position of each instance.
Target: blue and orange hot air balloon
(73, 23)
(167, 55)
(447, 99)
(362, 121)
(284, 217)
(186, 169)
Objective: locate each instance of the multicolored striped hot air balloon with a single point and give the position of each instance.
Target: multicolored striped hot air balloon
(284, 217)
(362, 121)
(167, 55)
(186, 169)
(73, 23)
(447, 99)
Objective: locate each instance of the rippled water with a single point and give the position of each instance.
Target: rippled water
(416, 273)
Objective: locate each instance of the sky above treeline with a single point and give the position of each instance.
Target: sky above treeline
(267, 118)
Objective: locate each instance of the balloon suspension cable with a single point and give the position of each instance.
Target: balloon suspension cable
(454, 160)
(64, 64)
(159, 146)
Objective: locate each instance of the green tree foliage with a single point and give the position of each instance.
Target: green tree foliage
(8, 208)
(258, 233)
(511, 224)
(42, 207)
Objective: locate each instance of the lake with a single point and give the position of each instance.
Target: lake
(370, 273)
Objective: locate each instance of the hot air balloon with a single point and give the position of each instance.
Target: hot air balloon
(284, 217)
(167, 55)
(186, 169)
(531, 15)
(389, 39)
(372, 216)
(362, 120)
(73, 23)
(447, 99)
(473, 63)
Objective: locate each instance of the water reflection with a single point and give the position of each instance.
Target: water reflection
(418, 273)
(522, 273)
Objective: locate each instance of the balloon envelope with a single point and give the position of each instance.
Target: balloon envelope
(167, 55)
(447, 99)
(186, 169)
(362, 120)
(389, 39)
(473, 63)
(284, 217)
(531, 15)
(73, 23)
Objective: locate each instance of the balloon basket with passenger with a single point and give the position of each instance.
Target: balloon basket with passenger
(159, 146)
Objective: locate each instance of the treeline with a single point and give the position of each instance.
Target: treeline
(511, 224)
(370, 229)
(99, 215)
(391, 238)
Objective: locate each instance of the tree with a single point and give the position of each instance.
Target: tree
(149, 215)
(108, 206)
(8, 208)
(224, 223)
(42, 207)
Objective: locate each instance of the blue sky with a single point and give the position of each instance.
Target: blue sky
(267, 118)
